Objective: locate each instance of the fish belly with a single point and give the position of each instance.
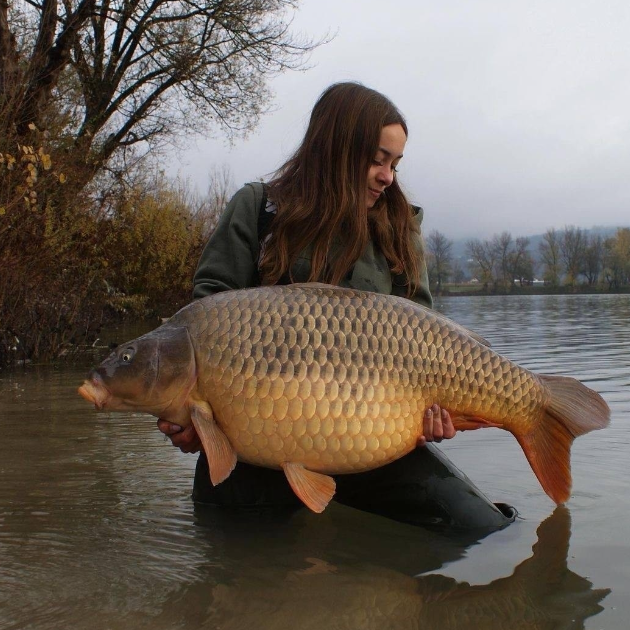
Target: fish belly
(329, 427)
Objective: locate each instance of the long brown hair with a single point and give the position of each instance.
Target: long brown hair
(320, 193)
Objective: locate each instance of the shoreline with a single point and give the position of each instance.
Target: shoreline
(473, 291)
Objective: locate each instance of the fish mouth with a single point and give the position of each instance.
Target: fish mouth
(94, 391)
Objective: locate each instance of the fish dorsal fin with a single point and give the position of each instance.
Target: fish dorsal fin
(221, 456)
(314, 285)
(313, 489)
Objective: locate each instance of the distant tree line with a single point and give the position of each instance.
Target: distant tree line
(567, 259)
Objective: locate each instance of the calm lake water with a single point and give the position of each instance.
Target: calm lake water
(97, 529)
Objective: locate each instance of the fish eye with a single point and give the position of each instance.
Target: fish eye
(127, 355)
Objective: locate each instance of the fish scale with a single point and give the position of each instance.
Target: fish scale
(320, 380)
(274, 385)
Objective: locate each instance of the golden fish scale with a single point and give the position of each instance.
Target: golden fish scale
(339, 381)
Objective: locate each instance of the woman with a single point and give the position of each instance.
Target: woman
(334, 213)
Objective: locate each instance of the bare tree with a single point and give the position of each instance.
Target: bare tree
(483, 261)
(457, 272)
(616, 259)
(502, 247)
(220, 189)
(593, 259)
(622, 250)
(87, 88)
(521, 262)
(572, 249)
(440, 259)
(130, 74)
(549, 250)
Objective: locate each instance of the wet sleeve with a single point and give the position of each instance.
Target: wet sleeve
(230, 258)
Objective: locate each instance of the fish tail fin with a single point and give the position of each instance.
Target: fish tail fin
(572, 410)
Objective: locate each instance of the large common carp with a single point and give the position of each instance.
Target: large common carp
(319, 380)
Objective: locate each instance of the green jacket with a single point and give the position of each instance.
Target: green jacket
(230, 258)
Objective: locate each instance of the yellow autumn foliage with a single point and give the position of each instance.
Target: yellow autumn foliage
(20, 172)
(152, 247)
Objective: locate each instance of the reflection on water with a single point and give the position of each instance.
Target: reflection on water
(97, 529)
(324, 589)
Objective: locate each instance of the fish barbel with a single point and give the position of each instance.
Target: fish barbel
(319, 380)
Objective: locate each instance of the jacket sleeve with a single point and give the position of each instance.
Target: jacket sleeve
(230, 258)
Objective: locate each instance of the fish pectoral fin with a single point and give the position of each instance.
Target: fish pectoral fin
(314, 489)
(220, 453)
(463, 422)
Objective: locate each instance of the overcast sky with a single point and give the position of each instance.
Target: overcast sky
(518, 111)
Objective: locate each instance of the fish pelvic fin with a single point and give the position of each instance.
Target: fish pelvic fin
(572, 410)
(220, 453)
(314, 489)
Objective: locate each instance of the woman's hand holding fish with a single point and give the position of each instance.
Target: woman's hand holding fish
(186, 439)
(437, 425)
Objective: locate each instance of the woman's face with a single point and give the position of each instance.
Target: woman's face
(381, 172)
